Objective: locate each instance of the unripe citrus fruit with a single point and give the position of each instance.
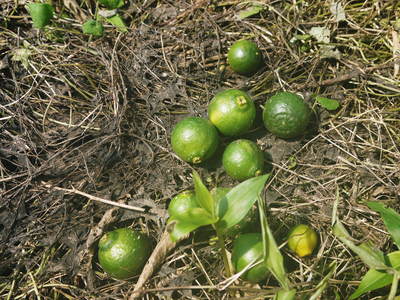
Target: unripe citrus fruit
(194, 139)
(182, 203)
(243, 159)
(122, 253)
(244, 57)
(286, 115)
(247, 249)
(232, 111)
(302, 240)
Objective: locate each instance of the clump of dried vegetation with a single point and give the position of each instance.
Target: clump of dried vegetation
(85, 119)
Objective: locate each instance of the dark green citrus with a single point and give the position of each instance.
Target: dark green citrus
(181, 203)
(194, 139)
(302, 240)
(243, 159)
(123, 252)
(232, 111)
(245, 57)
(286, 115)
(247, 249)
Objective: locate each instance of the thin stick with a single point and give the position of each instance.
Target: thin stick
(164, 246)
(94, 198)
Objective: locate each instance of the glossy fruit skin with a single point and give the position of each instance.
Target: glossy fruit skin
(182, 203)
(244, 57)
(302, 240)
(123, 252)
(286, 115)
(248, 248)
(243, 159)
(194, 139)
(232, 111)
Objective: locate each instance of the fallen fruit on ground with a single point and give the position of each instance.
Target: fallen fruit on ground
(244, 57)
(194, 139)
(243, 159)
(182, 203)
(302, 240)
(123, 252)
(286, 115)
(247, 249)
(232, 111)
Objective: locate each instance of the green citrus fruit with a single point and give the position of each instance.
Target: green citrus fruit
(244, 57)
(123, 252)
(181, 203)
(302, 240)
(194, 139)
(232, 111)
(247, 249)
(286, 115)
(243, 159)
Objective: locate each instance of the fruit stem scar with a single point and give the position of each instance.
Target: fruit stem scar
(196, 160)
(241, 101)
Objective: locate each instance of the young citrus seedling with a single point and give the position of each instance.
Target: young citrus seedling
(232, 111)
(302, 240)
(123, 252)
(286, 115)
(247, 249)
(244, 57)
(194, 139)
(243, 159)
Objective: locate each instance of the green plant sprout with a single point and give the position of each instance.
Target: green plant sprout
(223, 214)
(384, 269)
(41, 14)
(110, 15)
(93, 27)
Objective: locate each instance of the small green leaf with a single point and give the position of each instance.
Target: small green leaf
(327, 103)
(41, 13)
(203, 195)
(250, 11)
(112, 4)
(391, 219)
(93, 27)
(238, 201)
(322, 285)
(369, 255)
(272, 256)
(188, 222)
(117, 21)
(375, 279)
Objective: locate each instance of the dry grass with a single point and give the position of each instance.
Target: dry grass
(95, 115)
